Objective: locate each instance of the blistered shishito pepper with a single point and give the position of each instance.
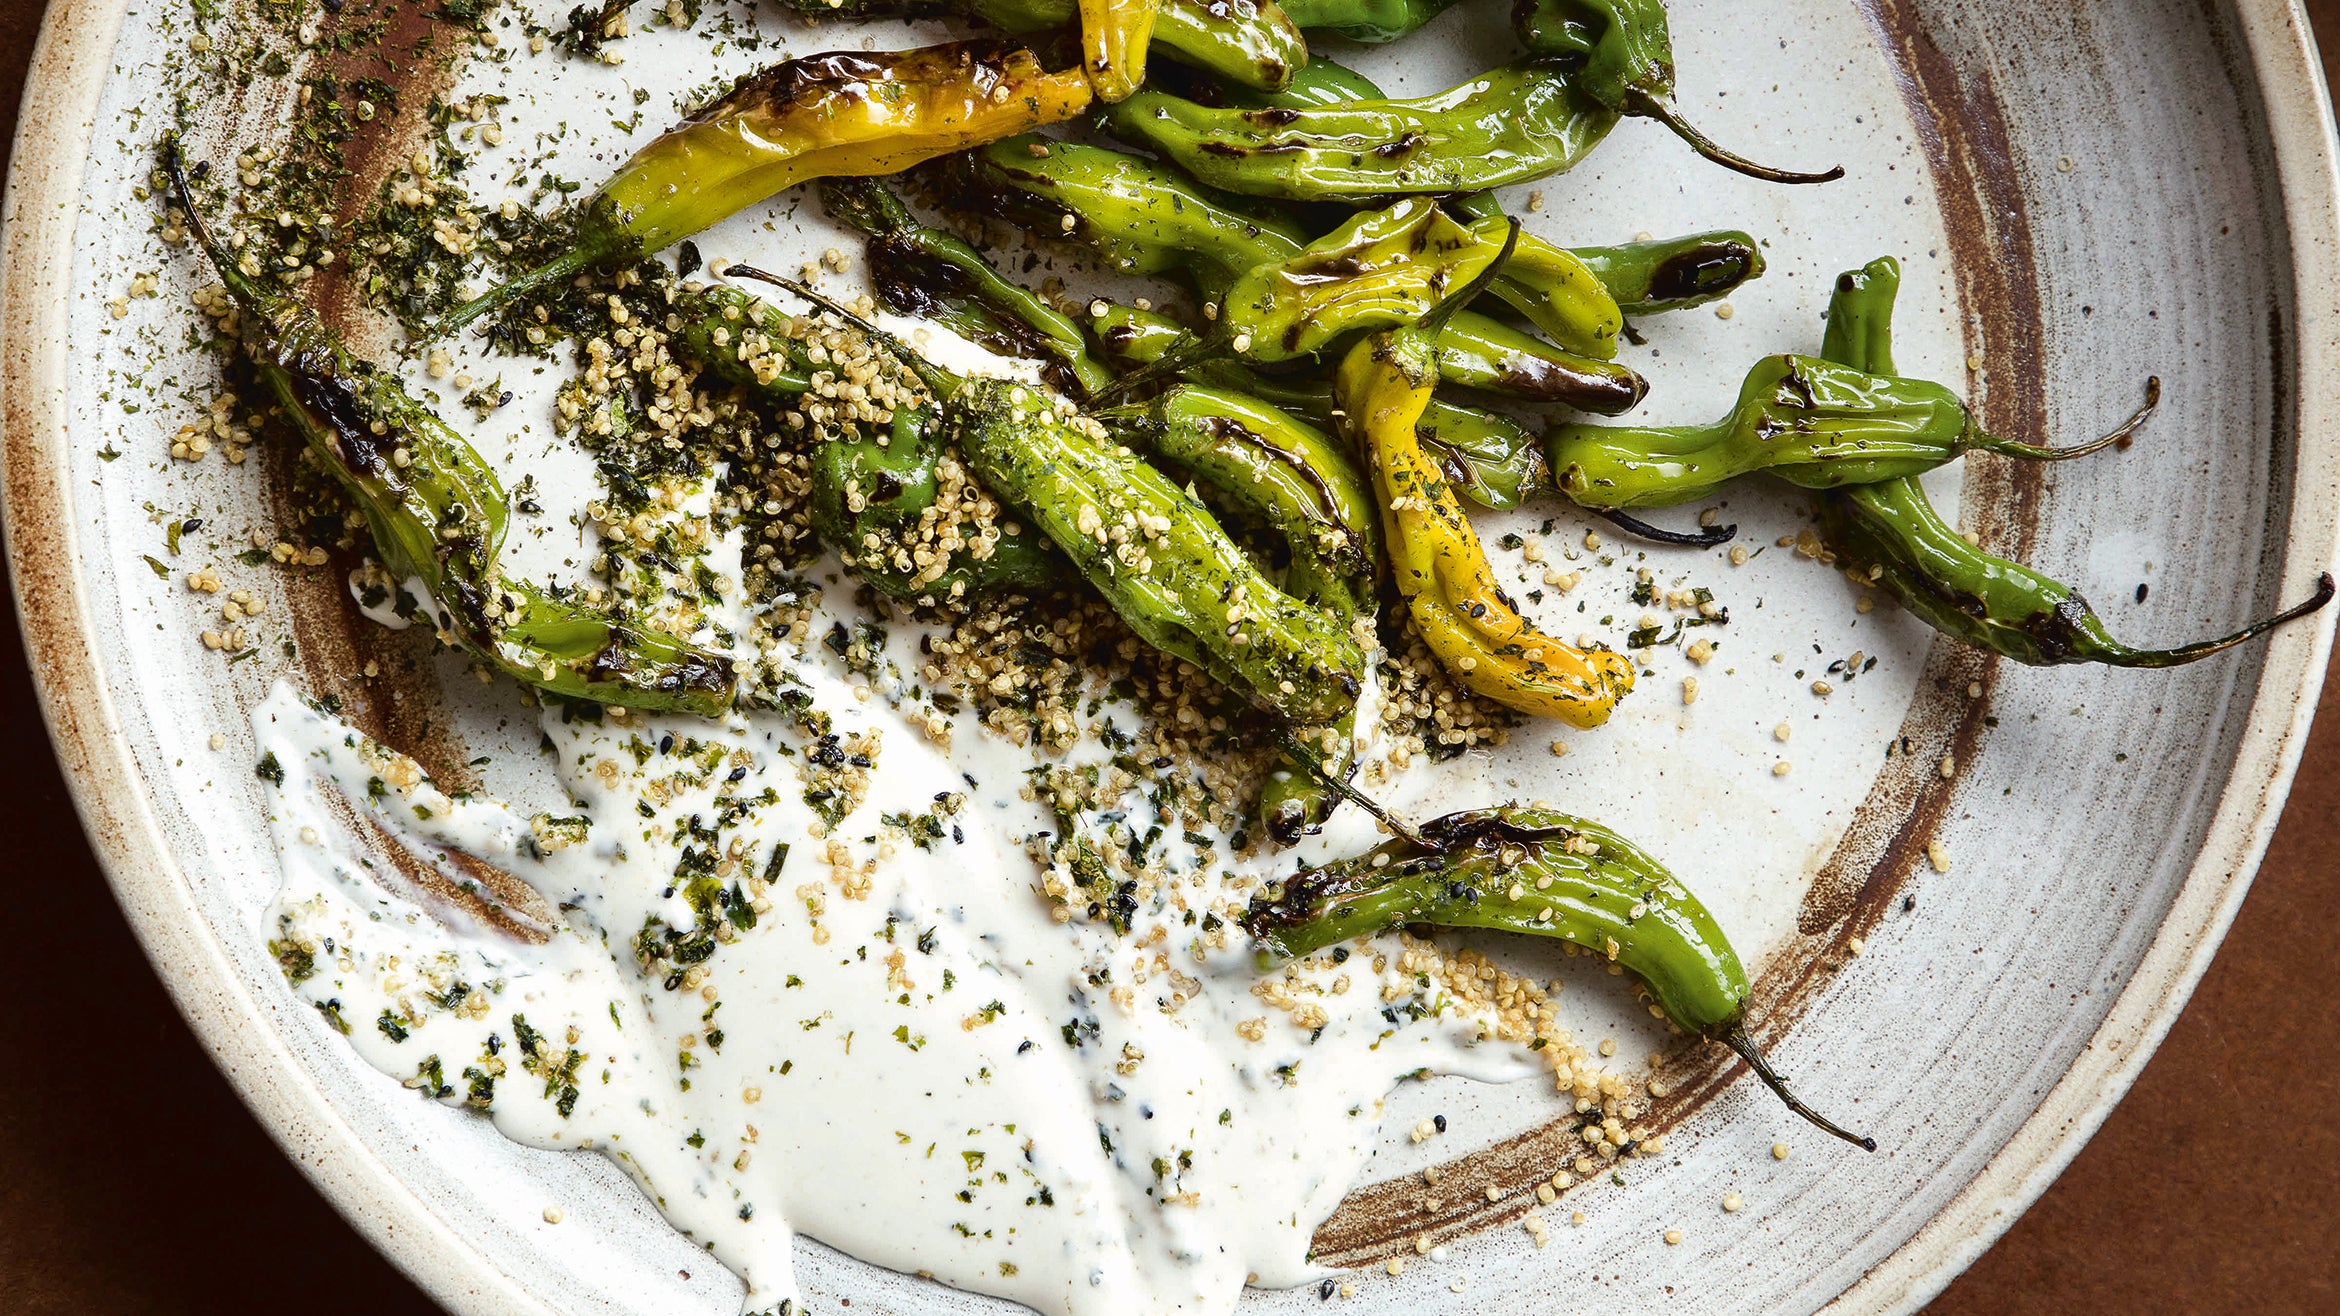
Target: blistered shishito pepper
(1627, 53)
(1381, 268)
(1141, 216)
(845, 113)
(1250, 42)
(1509, 125)
(741, 340)
(1544, 874)
(1158, 556)
(1302, 483)
(870, 493)
(1652, 276)
(1890, 535)
(1440, 568)
(1806, 420)
(923, 271)
(438, 513)
(1286, 472)
(870, 488)
(1373, 21)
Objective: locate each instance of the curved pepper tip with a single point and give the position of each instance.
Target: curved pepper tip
(1707, 537)
(1664, 112)
(2120, 436)
(2122, 656)
(1737, 1038)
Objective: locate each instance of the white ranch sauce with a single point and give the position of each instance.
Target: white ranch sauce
(872, 1106)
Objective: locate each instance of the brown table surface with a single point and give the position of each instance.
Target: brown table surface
(133, 1180)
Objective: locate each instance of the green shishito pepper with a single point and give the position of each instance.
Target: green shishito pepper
(1371, 21)
(1544, 874)
(1294, 476)
(1320, 81)
(1526, 120)
(1809, 421)
(1890, 535)
(1491, 458)
(1304, 485)
(1141, 216)
(841, 113)
(923, 271)
(1643, 278)
(869, 489)
(1625, 61)
(1251, 43)
(1520, 122)
(438, 512)
(868, 494)
(1155, 554)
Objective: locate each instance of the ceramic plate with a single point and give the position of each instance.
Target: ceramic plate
(2082, 194)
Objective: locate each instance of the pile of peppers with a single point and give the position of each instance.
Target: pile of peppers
(1295, 462)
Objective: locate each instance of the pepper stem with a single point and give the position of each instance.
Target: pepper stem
(1166, 366)
(233, 278)
(566, 265)
(942, 383)
(2039, 453)
(1332, 781)
(1740, 1040)
(1708, 537)
(1650, 107)
(2123, 656)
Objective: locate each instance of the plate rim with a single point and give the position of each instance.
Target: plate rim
(2298, 109)
(38, 217)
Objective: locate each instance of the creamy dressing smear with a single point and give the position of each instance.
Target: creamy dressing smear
(884, 1037)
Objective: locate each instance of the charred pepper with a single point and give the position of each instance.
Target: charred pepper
(438, 512)
(1674, 274)
(1304, 485)
(923, 271)
(1523, 121)
(1440, 568)
(841, 113)
(1490, 457)
(1389, 266)
(870, 489)
(1544, 874)
(1809, 421)
(1627, 53)
(1147, 219)
(1141, 216)
(1158, 556)
(1890, 534)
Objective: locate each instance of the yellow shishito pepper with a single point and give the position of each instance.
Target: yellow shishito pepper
(1382, 388)
(841, 114)
(1114, 37)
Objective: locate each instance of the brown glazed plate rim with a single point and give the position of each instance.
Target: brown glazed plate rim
(56, 128)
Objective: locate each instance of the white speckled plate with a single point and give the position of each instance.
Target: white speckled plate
(2083, 194)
